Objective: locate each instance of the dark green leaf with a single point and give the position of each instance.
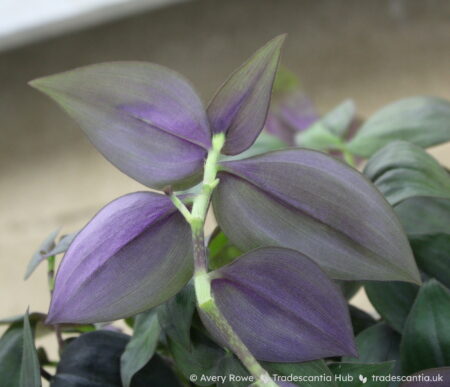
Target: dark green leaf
(175, 316)
(43, 357)
(11, 348)
(392, 300)
(426, 337)
(129, 321)
(432, 254)
(376, 344)
(221, 250)
(359, 375)
(156, 373)
(423, 216)
(424, 121)
(11, 355)
(349, 288)
(141, 347)
(30, 373)
(230, 365)
(93, 360)
(201, 358)
(402, 171)
(360, 320)
(207, 361)
(426, 221)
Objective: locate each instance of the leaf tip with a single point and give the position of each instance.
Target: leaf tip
(275, 44)
(53, 316)
(279, 39)
(431, 283)
(45, 85)
(38, 83)
(414, 277)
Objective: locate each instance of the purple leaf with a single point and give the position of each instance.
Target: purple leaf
(433, 377)
(290, 115)
(240, 106)
(145, 119)
(282, 306)
(310, 202)
(134, 254)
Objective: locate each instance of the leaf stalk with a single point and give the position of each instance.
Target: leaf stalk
(202, 281)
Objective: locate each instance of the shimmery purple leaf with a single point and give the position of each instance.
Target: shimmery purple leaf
(283, 307)
(308, 201)
(145, 119)
(134, 254)
(239, 108)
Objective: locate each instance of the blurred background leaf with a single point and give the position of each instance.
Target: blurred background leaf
(402, 171)
(423, 121)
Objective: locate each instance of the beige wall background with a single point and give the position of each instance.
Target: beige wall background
(50, 176)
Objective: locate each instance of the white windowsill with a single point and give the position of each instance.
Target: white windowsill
(25, 21)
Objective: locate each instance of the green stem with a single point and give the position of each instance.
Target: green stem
(349, 158)
(181, 207)
(51, 273)
(202, 280)
(235, 343)
(201, 202)
(51, 286)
